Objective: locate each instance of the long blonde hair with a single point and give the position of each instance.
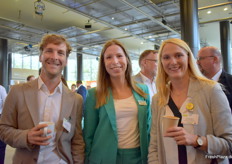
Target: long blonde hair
(162, 79)
(103, 80)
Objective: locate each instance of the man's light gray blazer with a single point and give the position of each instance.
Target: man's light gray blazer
(20, 113)
(215, 122)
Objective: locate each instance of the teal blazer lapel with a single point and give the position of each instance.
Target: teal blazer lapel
(142, 109)
(110, 110)
(31, 97)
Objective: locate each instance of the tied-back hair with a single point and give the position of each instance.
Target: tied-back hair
(162, 79)
(103, 80)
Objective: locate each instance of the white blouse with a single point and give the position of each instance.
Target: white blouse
(127, 122)
(171, 148)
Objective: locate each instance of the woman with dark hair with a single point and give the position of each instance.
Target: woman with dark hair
(117, 116)
(204, 132)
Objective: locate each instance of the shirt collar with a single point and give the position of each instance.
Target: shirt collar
(145, 78)
(42, 85)
(79, 86)
(217, 75)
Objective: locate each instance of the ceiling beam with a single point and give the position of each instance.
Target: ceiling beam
(100, 21)
(150, 17)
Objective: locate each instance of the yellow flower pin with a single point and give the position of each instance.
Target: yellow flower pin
(190, 106)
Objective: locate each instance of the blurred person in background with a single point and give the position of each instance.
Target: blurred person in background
(73, 87)
(209, 60)
(148, 64)
(83, 92)
(30, 78)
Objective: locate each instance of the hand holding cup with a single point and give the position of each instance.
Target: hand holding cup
(169, 121)
(49, 129)
(41, 134)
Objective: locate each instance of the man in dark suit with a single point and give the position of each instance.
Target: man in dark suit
(45, 99)
(82, 91)
(210, 63)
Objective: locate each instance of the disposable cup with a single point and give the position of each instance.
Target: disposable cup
(51, 127)
(169, 121)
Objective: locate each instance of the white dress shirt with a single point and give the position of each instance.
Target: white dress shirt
(49, 110)
(217, 75)
(151, 85)
(170, 146)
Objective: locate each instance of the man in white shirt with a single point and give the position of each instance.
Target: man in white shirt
(45, 99)
(148, 64)
(209, 61)
(3, 95)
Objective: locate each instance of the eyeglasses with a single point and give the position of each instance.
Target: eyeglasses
(204, 57)
(154, 60)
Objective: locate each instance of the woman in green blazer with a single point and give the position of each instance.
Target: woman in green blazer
(117, 114)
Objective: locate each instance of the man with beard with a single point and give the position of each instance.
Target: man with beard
(46, 100)
(210, 63)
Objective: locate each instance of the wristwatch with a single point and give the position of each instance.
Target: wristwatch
(199, 142)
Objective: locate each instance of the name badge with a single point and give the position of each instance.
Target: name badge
(67, 125)
(191, 119)
(142, 102)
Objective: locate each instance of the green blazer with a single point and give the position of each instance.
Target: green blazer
(100, 128)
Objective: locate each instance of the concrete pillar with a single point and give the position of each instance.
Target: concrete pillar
(4, 63)
(225, 45)
(79, 65)
(189, 24)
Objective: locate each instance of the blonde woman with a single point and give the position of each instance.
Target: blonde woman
(117, 116)
(205, 127)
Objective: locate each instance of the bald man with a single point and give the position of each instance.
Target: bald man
(210, 63)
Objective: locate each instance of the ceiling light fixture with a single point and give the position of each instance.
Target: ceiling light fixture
(88, 24)
(28, 47)
(164, 21)
(225, 9)
(126, 29)
(209, 12)
(112, 18)
(39, 7)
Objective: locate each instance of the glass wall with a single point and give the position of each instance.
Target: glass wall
(24, 65)
(72, 68)
(90, 68)
(25, 61)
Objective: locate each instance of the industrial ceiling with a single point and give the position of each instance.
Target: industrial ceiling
(88, 24)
